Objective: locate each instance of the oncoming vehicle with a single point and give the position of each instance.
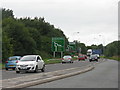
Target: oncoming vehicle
(67, 59)
(93, 58)
(30, 63)
(11, 62)
(98, 56)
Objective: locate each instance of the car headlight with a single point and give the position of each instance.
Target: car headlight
(17, 65)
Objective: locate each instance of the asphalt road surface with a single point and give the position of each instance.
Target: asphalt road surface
(105, 75)
(51, 67)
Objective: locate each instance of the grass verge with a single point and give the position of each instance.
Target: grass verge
(52, 61)
(113, 58)
(2, 65)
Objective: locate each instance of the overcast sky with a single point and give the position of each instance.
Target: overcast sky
(89, 21)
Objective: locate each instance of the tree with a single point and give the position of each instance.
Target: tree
(7, 47)
(7, 13)
(29, 36)
(82, 47)
(20, 37)
(112, 49)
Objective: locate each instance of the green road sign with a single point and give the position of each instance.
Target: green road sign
(58, 44)
(71, 46)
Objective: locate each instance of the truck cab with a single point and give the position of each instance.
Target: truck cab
(89, 52)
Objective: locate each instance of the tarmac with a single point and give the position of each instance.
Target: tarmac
(44, 77)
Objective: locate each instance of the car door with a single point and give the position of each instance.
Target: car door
(40, 65)
(42, 62)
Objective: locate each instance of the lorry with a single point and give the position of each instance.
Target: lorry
(89, 52)
(97, 51)
(94, 51)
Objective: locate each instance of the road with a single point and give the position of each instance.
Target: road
(49, 68)
(105, 75)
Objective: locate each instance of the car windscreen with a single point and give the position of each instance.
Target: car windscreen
(93, 56)
(81, 56)
(14, 58)
(28, 58)
(66, 57)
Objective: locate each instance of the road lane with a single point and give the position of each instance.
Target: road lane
(105, 75)
(50, 67)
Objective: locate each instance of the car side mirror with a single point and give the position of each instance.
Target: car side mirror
(38, 60)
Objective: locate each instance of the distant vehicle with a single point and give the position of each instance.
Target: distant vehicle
(93, 57)
(30, 63)
(97, 51)
(67, 59)
(85, 56)
(94, 51)
(75, 56)
(11, 62)
(89, 52)
(81, 57)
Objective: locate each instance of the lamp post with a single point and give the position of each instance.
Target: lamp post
(75, 34)
(103, 43)
(95, 39)
(103, 39)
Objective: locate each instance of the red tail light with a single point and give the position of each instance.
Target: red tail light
(16, 61)
(62, 58)
(6, 61)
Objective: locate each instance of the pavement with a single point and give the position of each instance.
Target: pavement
(39, 78)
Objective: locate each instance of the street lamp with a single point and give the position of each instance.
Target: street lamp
(75, 34)
(103, 39)
(95, 39)
(103, 43)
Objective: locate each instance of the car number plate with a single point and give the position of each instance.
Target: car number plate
(23, 67)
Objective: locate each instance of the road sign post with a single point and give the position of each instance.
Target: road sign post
(54, 54)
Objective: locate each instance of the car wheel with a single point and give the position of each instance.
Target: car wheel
(90, 60)
(43, 69)
(17, 71)
(6, 68)
(36, 69)
(96, 60)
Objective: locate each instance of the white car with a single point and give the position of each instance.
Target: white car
(30, 63)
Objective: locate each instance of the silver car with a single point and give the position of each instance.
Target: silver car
(67, 59)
